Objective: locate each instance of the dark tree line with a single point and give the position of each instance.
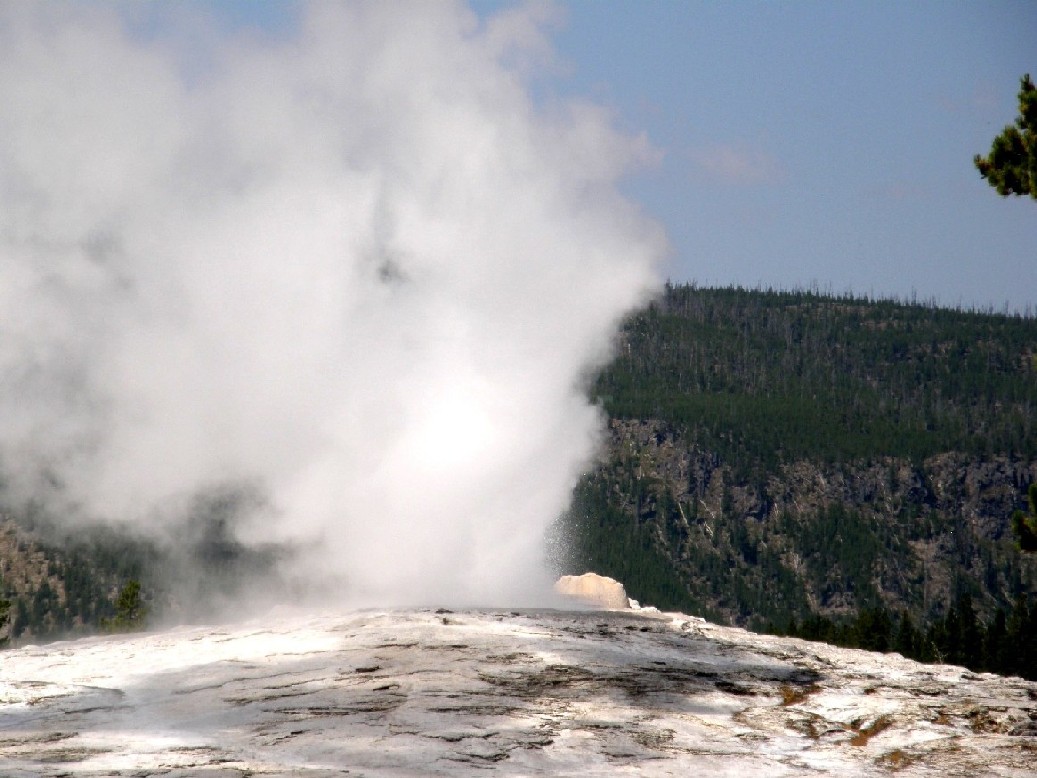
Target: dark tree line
(1006, 644)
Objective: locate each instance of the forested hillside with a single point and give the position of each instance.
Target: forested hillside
(62, 580)
(778, 459)
(831, 467)
(769, 377)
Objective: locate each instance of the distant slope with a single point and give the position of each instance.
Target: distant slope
(792, 455)
(770, 377)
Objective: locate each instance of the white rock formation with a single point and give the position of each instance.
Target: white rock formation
(597, 591)
(416, 693)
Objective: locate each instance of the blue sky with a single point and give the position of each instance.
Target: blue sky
(810, 143)
(826, 143)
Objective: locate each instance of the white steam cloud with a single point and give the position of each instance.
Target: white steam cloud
(356, 267)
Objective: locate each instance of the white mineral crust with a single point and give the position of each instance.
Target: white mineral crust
(422, 692)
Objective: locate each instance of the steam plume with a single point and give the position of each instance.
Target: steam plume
(355, 268)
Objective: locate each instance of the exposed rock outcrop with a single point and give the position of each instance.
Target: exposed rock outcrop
(906, 534)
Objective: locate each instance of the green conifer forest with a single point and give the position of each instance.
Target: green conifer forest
(833, 467)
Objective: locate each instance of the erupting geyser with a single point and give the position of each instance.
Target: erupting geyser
(355, 267)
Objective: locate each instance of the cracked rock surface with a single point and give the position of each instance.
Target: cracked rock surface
(424, 692)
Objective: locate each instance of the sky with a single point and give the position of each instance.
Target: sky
(822, 143)
(803, 144)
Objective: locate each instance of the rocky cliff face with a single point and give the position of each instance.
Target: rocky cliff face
(59, 583)
(888, 532)
(24, 565)
(405, 692)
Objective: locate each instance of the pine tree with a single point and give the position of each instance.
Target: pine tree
(1024, 526)
(21, 618)
(130, 611)
(1011, 166)
(994, 650)
(908, 639)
